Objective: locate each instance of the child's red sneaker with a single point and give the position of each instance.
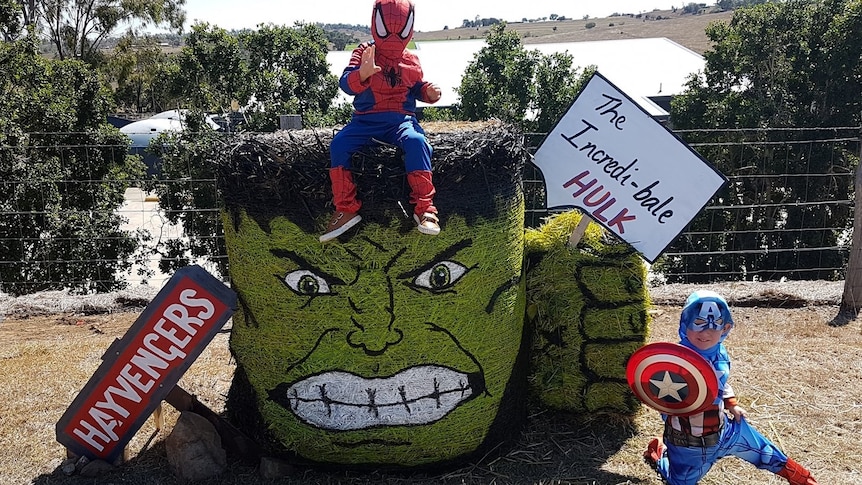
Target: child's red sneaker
(428, 223)
(653, 452)
(339, 224)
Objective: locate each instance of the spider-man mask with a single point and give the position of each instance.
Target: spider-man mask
(392, 26)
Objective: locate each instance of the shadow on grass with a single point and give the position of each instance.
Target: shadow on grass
(553, 447)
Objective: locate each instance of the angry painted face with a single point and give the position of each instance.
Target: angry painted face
(387, 347)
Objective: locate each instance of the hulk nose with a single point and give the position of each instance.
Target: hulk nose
(374, 340)
(373, 322)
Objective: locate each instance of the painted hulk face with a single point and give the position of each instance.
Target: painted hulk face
(387, 347)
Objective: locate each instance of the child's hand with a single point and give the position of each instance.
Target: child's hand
(433, 93)
(368, 67)
(738, 413)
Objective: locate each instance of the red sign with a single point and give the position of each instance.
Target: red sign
(139, 370)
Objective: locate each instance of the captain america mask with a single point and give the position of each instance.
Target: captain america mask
(709, 317)
(705, 310)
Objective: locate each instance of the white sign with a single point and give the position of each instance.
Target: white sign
(609, 158)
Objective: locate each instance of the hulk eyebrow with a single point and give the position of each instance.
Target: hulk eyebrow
(442, 255)
(376, 245)
(302, 263)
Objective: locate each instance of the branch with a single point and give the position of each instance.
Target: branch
(82, 22)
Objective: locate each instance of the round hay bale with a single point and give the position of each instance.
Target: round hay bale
(589, 308)
(387, 347)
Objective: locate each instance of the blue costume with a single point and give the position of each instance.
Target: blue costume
(386, 81)
(692, 444)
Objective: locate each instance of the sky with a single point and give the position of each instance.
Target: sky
(430, 14)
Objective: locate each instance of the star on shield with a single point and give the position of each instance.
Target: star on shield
(667, 387)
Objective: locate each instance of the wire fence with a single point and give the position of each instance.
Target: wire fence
(786, 212)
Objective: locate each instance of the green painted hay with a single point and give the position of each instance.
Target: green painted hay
(324, 331)
(589, 315)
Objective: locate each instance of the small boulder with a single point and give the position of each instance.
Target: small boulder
(194, 449)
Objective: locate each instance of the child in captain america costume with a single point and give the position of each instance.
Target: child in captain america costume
(692, 444)
(386, 80)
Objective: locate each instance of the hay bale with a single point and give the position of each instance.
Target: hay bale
(290, 169)
(589, 308)
(385, 348)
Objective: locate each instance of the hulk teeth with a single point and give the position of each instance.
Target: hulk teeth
(344, 401)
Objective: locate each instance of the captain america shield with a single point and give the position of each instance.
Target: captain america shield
(672, 379)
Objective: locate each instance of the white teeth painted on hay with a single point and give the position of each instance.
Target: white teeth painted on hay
(343, 401)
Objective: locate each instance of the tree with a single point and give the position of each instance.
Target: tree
(77, 28)
(11, 21)
(778, 65)
(210, 71)
(691, 8)
(287, 72)
(557, 85)
(270, 71)
(273, 70)
(63, 174)
(498, 82)
(508, 82)
(339, 40)
(136, 66)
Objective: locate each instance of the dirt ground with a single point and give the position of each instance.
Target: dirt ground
(796, 369)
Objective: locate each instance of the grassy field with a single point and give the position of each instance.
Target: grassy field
(686, 30)
(799, 377)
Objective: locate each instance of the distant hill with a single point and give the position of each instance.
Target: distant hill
(688, 30)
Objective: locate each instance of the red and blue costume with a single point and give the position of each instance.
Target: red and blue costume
(692, 444)
(385, 105)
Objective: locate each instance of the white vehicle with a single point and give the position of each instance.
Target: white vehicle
(144, 131)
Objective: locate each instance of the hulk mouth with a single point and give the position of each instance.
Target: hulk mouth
(343, 401)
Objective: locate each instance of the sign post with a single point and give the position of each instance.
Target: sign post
(609, 158)
(140, 369)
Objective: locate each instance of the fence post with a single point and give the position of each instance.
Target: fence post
(851, 300)
(290, 122)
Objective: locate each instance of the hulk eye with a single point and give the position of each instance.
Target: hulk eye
(305, 283)
(441, 276)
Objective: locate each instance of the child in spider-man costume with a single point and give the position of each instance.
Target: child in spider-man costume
(691, 444)
(386, 81)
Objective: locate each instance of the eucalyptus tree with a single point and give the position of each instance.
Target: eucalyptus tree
(11, 20)
(77, 28)
(137, 68)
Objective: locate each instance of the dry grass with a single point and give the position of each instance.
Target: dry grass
(799, 377)
(686, 30)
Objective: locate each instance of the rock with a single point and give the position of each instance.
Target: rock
(96, 468)
(194, 449)
(68, 467)
(81, 462)
(274, 468)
